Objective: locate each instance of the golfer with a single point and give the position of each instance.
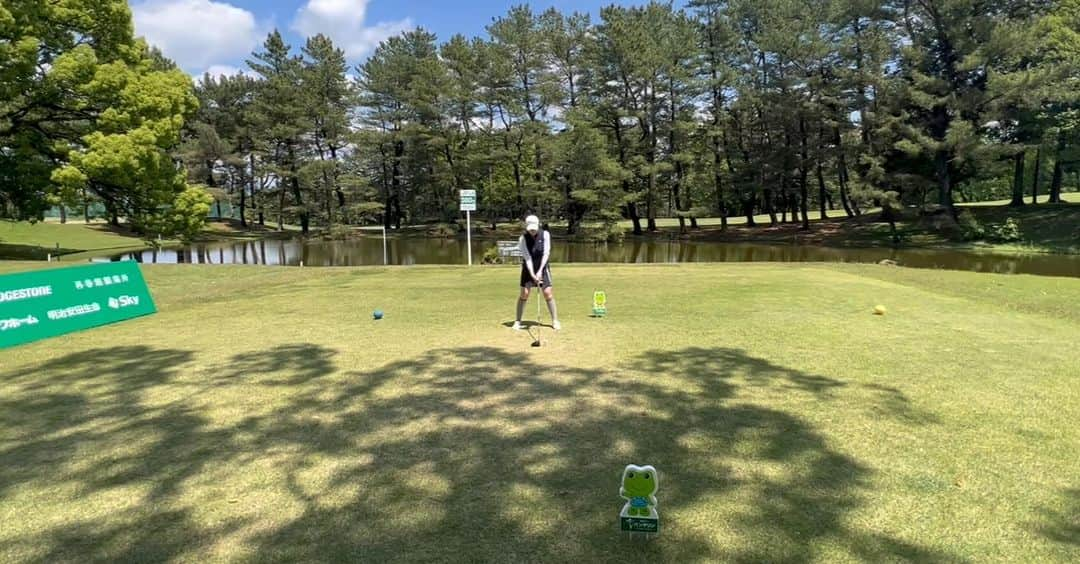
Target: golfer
(535, 246)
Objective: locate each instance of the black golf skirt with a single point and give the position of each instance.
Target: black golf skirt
(528, 282)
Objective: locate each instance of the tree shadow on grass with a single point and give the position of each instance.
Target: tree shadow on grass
(67, 405)
(1064, 526)
(891, 402)
(79, 426)
(297, 363)
(10, 251)
(473, 454)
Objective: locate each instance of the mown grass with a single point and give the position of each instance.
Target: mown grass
(1045, 228)
(34, 241)
(77, 240)
(263, 416)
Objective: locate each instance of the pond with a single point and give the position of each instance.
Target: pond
(413, 251)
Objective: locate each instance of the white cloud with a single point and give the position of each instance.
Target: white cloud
(197, 34)
(223, 70)
(217, 71)
(344, 21)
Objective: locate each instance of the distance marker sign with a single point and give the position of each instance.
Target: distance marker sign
(468, 200)
(52, 302)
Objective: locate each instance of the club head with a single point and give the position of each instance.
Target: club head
(536, 343)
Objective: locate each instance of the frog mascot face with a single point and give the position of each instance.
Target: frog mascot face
(639, 485)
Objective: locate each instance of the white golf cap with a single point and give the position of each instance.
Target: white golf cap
(532, 223)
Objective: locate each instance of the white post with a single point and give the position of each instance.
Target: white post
(385, 255)
(468, 236)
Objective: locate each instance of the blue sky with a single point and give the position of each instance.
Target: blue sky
(217, 35)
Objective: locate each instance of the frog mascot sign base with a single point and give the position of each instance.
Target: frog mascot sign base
(639, 485)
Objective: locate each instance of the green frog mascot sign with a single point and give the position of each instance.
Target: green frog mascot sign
(639, 485)
(599, 304)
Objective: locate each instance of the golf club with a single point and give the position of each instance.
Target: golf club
(539, 296)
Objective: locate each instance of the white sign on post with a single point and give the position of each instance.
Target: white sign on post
(468, 205)
(468, 200)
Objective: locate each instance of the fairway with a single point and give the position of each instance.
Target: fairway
(263, 415)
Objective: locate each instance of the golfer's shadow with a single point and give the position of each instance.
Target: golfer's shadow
(526, 325)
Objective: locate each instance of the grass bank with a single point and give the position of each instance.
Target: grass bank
(79, 240)
(263, 416)
(35, 241)
(1044, 228)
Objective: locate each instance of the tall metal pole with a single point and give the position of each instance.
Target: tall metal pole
(385, 256)
(468, 236)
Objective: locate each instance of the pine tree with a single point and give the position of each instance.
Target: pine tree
(280, 115)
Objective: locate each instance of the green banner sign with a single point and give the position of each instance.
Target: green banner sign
(48, 303)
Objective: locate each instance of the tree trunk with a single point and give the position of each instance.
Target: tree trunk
(518, 181)
(718, 180)
(251, 171)
(842, 174)
(86, 206)
(635, 217)
(673, 146)
(210, 181)
(243, 207)
(804, 191)
(63, 214)
(337, 187)
(395, 184)
(1055, 183)
(804, 198)
(538, 176)
(940, 120)
(1059, 171)
(329, 199)
(675, 188)
(631, 207)
(650, 197)
(298, 196)
(1018, 179)
(748, 211)
(217, 207)
(338, 190)
(281, 210)
(888, 215)
(784, 207)
(769, 207)
(823, 195)
(944, 177)
(1035, 182)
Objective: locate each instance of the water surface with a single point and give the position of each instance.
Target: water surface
(413, 251)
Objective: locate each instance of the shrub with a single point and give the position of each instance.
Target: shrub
(442, 230)
(184, 219)
(1007, 232)
(970, 228)
(338, 232)
(604, 233)
(491, 256)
